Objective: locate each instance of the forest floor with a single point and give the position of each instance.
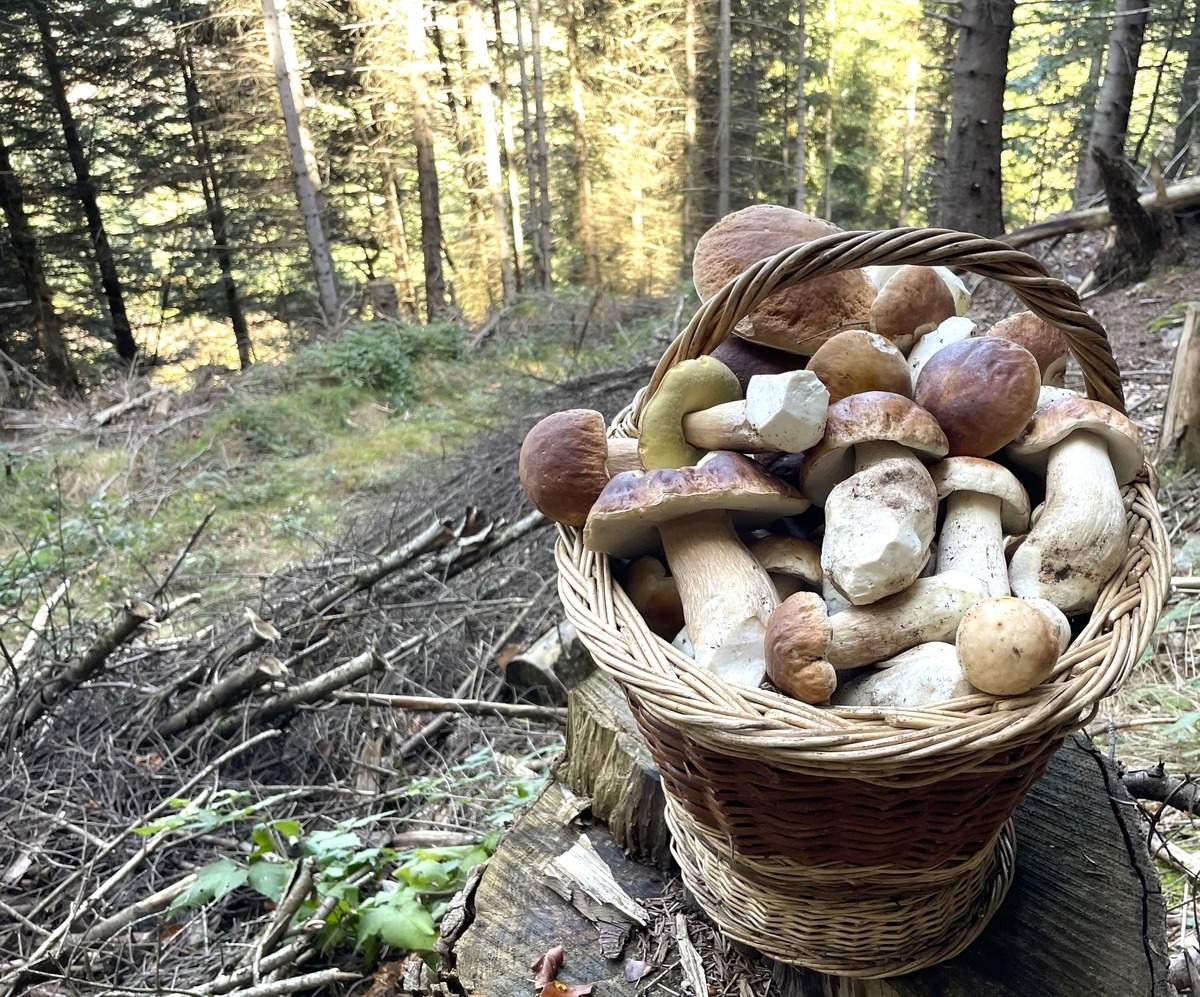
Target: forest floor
(312, 479)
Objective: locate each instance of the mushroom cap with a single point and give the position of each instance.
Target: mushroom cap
(1060, 419)
(655, 595)
(912, 301)
(880, 275)
(792, 556)
(626, 515)
(796, 638)
(1006, 646)
(1045, 341)
(796, 319)
(855, 361)
(974, 474)
(561, 465)
(687, 387)
(952, 330)
(747, 359)
(868, 417)
(981, 391)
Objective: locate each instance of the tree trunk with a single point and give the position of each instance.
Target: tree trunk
(1189, 97)
(1139, 234)
(211, 188)
(282, 48)
(1180, 436)
(1087, 104)
(691, 178)
(543, 158)
(85, 190)
(910, 127)
(510, 150)
(724, 97)
(1116, 93)
(801, 101)
(398, 241)
(541, 262)
(436, 305)
(485, 103)
(827, 180)
(1168, 50)
(60, 372)
(970, 195)
(583, 181)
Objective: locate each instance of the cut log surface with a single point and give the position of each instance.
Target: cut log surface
(1085, 914)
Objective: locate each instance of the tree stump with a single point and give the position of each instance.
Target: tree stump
(1085, 914)
(1180, 434)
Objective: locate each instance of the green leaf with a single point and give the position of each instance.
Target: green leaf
(1183, 724)
(213, 881)
(399, 919)
(326, 845)
(270, 878)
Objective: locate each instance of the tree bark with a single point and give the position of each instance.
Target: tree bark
(436, 304)
(910, 127)
(282, 48)
(60, 372)
(510, 150)
(543, 158)
(691, 180)
(801, 101)
(1184, 150)
(827, 179)
(541, 265)
(1180, 436)
(211, 188)
(1111, 121)
(1087, 102)
(85, 190)
(398, 240)
(724, 98)
(1139, 235)
(970, 195)
(583, 181)
(485, 104)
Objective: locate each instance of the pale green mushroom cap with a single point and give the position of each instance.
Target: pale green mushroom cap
(687, 387)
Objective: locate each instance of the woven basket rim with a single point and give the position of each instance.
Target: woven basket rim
(872, 743)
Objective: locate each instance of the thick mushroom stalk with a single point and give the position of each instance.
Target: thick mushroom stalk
(1080, 538)
(984, 501)
(921, 676)
(781, 412)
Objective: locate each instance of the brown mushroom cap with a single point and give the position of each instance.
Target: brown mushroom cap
(982, 393)
(655, 595)
(911, 302)
(797, 635)
(625, 517)
(974, 474)
(1045, 341)
(796, 319)
(1057, 421)
(747, 359)
(561, 465)
(869, 417)
(1006, 646)
(855, 361)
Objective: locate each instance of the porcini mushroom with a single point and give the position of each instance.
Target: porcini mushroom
(747, 359)
(953, 330)
(879, 275)
(981, 391)
(566, 460)
(687, 387)
(801, 631)
(1007, 646)
(655, 595)
(855, 361)
(1045, 341)
(1088, 451)
(984, 501)
(879, 521)
(792, 562)
(727, 596)
(795, 319)
(921, 676)
(911, 302)
(781, 412)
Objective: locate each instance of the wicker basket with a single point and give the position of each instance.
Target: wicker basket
(861, 842)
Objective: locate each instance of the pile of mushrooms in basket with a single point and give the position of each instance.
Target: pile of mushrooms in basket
(862, 496)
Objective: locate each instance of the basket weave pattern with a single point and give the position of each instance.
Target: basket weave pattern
(863, 842)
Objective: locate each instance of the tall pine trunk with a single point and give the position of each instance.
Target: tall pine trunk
(831, 92)
(1116, 92)
(724, 99)
(801, 101)
(60, 372)
(85, 190)
(436, 304)
(970, 197)
(543, 157)
(1087, 114)
(583, 180)
(211, 188)
(910, 127)
(1185, 150)
(541, 262)
(691, 177)
(398, 240)
(510, 149)
(282, 47)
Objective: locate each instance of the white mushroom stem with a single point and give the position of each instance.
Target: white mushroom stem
(972, 540)
(867, 454)
(783, 412)
(724, 427)
(1080, 538)
(727, 596)
(924, 675)
(622, 456)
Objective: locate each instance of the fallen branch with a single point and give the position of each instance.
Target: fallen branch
(523, 711)
(309, 981)
(236, 685)
(1184, 971)
(102, 931)
(106, 415)
(295, 895)
(1154, 784)
(36, 628)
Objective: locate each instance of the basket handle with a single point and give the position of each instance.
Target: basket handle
(1046, 296)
